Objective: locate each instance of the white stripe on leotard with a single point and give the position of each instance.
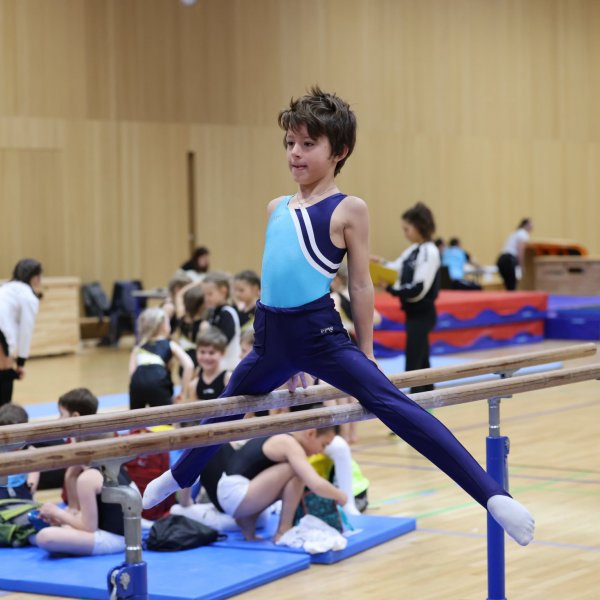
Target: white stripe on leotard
(308, 257)
(313, 241)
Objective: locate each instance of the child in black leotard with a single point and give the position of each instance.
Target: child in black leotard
(246, 292)
(268, 469)
(190, 311)
(223, 316)
(97, 528)
(211, 380)
(149, 367)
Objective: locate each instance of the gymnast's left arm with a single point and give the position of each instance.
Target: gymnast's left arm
(360, 285)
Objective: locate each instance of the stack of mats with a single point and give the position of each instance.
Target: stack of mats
(221, 570)
(467, 320)
(573, 318)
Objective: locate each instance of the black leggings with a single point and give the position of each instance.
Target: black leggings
(507, 265)
(7, 376)
(418, 327)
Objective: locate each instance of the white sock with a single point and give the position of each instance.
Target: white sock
(341, 455)
(159, 489)
(350, 508)
(513, 517)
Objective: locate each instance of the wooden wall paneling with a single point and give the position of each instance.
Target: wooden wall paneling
(92, 176)
(148, 60)
(548, 189)
(239, 170)
(8, 76)
(483, 110)
(581, 193)
(258, 36)
(207, 51)
(153, 212)
(50, 73)
(101, 59)
(32, 207)
(30, 133)
(579, 89)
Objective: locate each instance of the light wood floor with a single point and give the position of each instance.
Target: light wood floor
(554, 470)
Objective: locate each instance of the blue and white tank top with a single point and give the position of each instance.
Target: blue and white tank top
(299, 260)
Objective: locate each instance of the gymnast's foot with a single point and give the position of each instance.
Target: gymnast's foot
(159, 489)
(514, 518)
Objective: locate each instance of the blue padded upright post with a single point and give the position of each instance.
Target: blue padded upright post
(497, 447)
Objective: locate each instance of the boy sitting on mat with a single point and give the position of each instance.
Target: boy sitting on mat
(96, 528)
(88, 525)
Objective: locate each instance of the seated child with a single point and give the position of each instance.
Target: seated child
(175, 285)
(265, 470)
(246, 292)
(88, 525)
(246, 342)
(190, 311)
(149, 364)
(211, 379)
(78, 402)
(16, 486)
(223, 316)
(246, 345)
(95, 528)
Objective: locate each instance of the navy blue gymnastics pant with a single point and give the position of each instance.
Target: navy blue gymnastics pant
(311, 338)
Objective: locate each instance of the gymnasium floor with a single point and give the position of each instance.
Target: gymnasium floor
(554, 470)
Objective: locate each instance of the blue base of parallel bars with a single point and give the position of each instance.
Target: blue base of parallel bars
(496, 461)
(131, 582)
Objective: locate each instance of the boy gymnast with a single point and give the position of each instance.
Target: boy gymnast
(297, 328)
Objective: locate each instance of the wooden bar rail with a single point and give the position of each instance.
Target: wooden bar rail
(147, 417)
(99, 451)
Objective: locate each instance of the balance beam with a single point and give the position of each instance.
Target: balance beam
(98, 451)
(19, 435)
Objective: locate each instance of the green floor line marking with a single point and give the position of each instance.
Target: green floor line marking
(516, 490)
(391, 499)
(574, 492)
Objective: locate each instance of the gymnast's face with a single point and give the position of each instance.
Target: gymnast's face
(309, 159)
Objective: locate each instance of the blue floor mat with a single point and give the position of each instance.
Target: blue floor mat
(369, 531)
(206, 573)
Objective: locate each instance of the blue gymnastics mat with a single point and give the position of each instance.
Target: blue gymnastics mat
(369, 531)
(206, 573)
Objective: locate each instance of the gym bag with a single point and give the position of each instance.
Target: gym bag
(322, 508)
(15, 527)
(176, 532)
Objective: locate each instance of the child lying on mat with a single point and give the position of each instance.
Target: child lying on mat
(246, 482)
